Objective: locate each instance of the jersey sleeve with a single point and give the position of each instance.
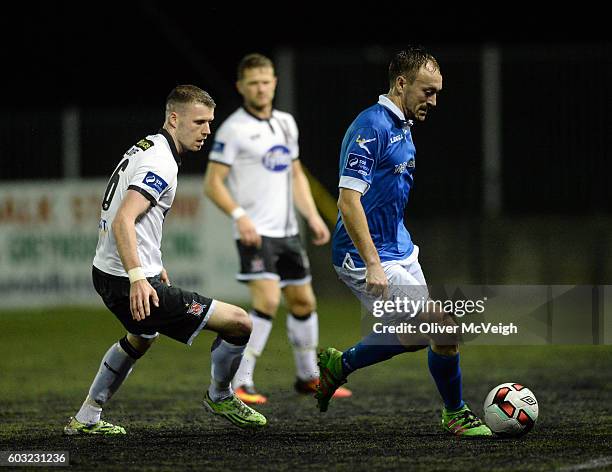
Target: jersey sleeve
(225, 146)
(359, 159)
(152, 177)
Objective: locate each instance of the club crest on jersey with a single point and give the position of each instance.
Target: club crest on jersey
(277, 158)
(361, 142)
(360, 164)
(155, 182)
(195, 308)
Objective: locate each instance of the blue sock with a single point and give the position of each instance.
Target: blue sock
(372, 349)
(446, 373)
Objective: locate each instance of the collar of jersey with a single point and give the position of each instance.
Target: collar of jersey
(165, 134)
(392, 107)
(255, 116)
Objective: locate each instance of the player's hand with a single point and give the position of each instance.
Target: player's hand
(319, 230)
(140, 292)
(164, 278)
(376, 281)
(248, 233)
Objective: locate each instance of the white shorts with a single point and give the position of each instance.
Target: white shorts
(406, 281)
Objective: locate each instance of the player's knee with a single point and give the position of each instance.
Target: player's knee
(443, 330)
(241, 324)
(136, 346)
(445, 350)
(268, 304)
(303, 306)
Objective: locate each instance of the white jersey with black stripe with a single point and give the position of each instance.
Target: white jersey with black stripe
(150, 167)
(260, 153)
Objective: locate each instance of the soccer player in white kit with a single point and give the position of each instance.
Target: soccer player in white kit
(129, 275)
(256, 150)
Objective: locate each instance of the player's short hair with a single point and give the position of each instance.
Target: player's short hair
(408, 62)
(253, 61)
(184, 94)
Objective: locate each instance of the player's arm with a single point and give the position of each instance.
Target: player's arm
(124, 230)
(356, 224)
(306, 205)
(217, 191)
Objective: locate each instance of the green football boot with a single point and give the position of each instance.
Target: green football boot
(331, 376)
(102, 428)
(235, 411)
(464, 423)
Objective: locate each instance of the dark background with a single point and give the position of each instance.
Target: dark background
(116, 62)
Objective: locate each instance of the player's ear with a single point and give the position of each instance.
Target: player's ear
(400, 83)
(173, 119)
(239, 86)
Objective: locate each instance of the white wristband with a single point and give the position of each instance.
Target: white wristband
(237, 213)
(136, 274)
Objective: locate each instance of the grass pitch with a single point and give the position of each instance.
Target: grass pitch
(48, 359)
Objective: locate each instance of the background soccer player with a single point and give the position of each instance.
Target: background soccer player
(129, 275)
(373, 253)
(256, 149)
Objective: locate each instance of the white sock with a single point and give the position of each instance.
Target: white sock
(303, 335)
(90, 412)
(116, 365)
(262, 325)
(225, 359)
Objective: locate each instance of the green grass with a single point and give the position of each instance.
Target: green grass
(48, 359)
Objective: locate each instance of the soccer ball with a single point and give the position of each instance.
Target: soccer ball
(510, 409)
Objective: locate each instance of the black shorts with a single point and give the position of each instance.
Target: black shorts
(181, 315)
(281, 259)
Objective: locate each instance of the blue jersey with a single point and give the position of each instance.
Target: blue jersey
(377, 159)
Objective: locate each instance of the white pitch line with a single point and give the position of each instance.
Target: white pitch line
(593, 464)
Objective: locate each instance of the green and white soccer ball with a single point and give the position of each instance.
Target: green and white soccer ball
(510, 409)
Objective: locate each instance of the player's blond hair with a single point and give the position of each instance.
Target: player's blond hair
(184, 94)
(253, 61)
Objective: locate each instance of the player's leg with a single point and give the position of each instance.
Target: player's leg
(182, 315)
(116, 365)
(444, 366)
(375, 347)
(265, 298)
(303, 334)
(258, 269)
(233, 326)
(303, 330)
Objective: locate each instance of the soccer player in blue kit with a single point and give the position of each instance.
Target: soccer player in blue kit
(373, 253)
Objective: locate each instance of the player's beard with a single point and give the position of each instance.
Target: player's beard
(260, 104)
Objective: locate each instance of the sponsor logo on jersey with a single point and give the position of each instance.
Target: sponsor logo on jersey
(218, 146)
(277, 158)
(361, 142)
(358, 163)
(144, 144)
(195, 308)
(400, 168)
(395, 139)
(155, 182)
